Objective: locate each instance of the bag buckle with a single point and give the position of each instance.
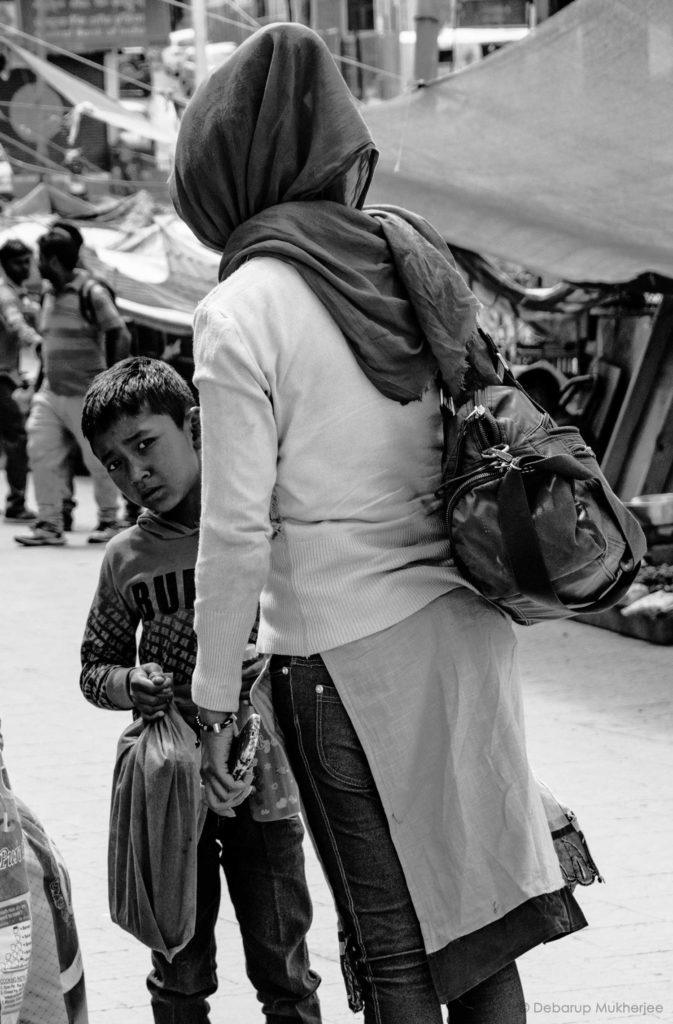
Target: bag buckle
(501, 453)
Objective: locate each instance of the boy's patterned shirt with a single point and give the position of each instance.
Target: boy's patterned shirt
(147, 580)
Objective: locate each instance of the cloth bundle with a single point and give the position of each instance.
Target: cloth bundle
(155, 821)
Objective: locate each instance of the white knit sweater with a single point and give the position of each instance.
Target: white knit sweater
(357, 543)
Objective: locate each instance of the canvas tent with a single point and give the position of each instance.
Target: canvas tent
(555, 153)
(157, 268)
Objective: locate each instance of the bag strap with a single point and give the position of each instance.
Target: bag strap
(520, 538)
(86, 306)
(86, 303)
(500, 366)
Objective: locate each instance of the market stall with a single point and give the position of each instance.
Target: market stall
(647, 609)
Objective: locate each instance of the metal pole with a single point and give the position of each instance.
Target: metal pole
(41, 51)
(426, 57)
(199, 21)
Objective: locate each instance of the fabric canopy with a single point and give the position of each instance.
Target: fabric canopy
(132, 245)
(556, 152)
(87, 99)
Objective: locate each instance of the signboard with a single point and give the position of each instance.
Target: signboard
(475, 13)
(83, 26)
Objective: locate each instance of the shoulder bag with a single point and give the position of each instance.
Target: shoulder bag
(534, 525)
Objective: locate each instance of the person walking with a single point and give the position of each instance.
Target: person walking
(396, 685)
(16, 333)
(74, 350)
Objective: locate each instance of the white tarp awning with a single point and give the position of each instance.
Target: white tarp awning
(90, 100)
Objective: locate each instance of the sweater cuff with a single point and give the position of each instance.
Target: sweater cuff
(216, 682)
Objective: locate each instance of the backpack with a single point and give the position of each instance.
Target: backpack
(86, 306)
(88, 314)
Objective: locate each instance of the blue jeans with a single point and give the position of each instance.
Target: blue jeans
(263, 864)
(383, 941)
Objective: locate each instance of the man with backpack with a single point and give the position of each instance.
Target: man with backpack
(82, 333)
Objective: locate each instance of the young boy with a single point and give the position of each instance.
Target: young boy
(139, 419)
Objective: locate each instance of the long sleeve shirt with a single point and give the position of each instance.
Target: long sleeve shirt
(15, 332)
(146, 579)
(318, 492)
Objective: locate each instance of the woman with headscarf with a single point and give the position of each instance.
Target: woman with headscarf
(396, 686)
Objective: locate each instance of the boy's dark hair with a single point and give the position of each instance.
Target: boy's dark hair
(64, 241)
(137, 384)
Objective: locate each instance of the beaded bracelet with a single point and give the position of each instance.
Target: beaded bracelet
(217, 727)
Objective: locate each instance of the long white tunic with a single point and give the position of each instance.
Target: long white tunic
(353, 563)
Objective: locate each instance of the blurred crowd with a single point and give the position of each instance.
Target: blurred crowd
(59, 327)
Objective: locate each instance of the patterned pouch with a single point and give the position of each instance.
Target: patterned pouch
(275, 794)
(577, 865)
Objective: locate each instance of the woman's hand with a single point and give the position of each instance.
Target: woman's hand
(150, 690)
(222, 792)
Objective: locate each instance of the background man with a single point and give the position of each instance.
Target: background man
(15, 333)
(75, 348)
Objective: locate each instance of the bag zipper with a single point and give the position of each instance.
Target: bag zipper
(476, 419)
(502, 460)
(471, 481)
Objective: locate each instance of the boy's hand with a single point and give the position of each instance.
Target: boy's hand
(151, 690)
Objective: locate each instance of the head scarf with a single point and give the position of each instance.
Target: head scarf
(276, 123)
(274, 158)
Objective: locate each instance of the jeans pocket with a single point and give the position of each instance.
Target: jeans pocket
(337, 745)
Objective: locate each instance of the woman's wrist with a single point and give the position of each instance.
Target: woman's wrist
(221, 725)
(208, 717)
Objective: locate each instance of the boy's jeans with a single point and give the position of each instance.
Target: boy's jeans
(264, 867)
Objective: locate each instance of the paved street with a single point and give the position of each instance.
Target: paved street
(599, 714)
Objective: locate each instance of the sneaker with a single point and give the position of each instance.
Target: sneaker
(20, 515)
(104, 532)
(42, 535)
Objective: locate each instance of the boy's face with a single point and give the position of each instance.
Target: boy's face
(51, 269)
(155, 463)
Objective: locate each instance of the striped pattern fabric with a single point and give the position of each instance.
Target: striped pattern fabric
(73, 351)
